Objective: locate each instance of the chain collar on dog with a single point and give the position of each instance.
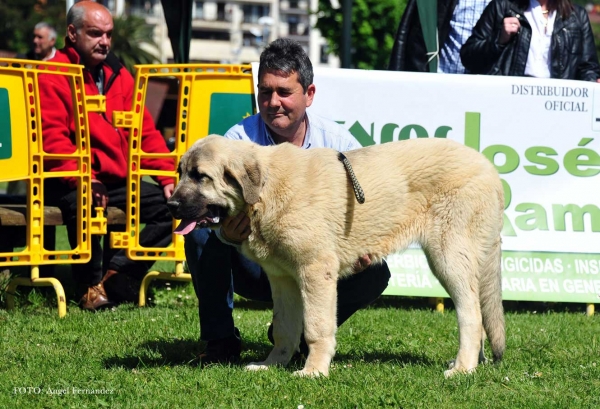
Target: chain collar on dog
(358, 192)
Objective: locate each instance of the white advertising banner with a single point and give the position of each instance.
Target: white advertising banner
(542, 135)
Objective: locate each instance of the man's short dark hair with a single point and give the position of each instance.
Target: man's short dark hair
(287, 56)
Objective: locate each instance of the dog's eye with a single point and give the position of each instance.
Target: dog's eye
(194, 174)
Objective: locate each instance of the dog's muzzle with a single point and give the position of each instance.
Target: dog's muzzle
(189, 222)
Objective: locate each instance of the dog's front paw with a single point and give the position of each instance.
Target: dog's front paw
(312, 373)
(256, 366)
(455, 370)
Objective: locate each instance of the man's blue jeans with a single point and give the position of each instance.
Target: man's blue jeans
(218, 270)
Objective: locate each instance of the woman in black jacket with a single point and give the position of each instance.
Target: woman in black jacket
(548, 39)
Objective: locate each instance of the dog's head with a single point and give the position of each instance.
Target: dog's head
(217, 177)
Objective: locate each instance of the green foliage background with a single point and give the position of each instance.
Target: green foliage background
(129, 34)
(18, 17)
(374, 24)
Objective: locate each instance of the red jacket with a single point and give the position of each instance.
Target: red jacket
(109, 145)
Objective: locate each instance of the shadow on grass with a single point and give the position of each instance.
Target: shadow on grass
(386, 301)
(381, 357)
(187, 352)
(172, 353)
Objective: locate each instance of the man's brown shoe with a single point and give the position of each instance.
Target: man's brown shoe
(95, 299)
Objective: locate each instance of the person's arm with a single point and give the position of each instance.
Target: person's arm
(350, 142)
(588, 69)
(57, 122)
(332, 134)
(398, 57)
(483, 48)
(249, 129)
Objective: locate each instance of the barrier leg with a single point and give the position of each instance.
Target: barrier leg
(144, 286)
(10, 294)
(439, 305)
(178, 275)
(35, 281)
(590, 310)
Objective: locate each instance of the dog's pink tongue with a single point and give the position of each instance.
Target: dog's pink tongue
(185, 226)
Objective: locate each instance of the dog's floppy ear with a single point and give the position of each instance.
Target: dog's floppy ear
(248, 174)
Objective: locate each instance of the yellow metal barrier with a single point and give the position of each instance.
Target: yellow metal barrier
(211, 98)
(22, 158)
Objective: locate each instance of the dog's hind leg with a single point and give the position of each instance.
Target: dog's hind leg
(287, 322)
(319, 295)
(492, 311)
(482, 358)
(455, 265)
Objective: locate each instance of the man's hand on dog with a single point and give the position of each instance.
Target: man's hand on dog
(362, 263)
(236, 229)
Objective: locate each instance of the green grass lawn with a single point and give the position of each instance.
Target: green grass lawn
(392, 354)
(389, 355)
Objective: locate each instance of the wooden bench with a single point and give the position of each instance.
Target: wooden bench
(16, 215)
(13, 220)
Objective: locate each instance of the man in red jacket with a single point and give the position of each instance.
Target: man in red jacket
(88, 43)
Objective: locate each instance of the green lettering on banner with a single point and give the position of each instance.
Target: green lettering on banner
(5, 128)
(526, 276)
(227, 109)
(473, 130)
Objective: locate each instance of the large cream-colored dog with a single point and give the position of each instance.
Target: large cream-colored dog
(308, 229)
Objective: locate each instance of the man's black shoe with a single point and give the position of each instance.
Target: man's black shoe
(222, 351)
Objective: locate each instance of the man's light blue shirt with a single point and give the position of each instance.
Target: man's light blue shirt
(321, 133)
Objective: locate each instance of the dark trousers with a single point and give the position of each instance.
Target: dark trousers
(218, 270)
(157, 233)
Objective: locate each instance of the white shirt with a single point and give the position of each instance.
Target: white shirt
(538, 58)
(51, 55)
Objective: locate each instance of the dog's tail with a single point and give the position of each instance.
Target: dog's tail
(490, 295)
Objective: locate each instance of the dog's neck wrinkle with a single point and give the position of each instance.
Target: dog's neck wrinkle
(260, 246)
(257, 246)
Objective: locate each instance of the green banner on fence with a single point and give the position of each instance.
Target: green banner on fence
(5, 128)
(227, 109)
(526, 276)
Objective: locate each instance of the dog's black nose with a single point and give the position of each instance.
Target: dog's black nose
(173, 206)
